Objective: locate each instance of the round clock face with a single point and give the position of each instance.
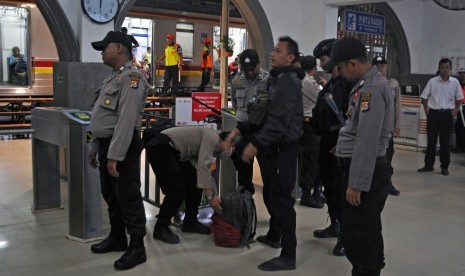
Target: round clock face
(100, 11)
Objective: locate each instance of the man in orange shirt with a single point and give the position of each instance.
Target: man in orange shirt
(206, 64)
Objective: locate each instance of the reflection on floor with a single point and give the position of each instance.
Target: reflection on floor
(423, 231)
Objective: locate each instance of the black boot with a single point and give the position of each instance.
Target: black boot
(312, 200)
(332, 230)
(192, 225)
(162, 232)
(133, 256)
(112, 243)
(339, 249)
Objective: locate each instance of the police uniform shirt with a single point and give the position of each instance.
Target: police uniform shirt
(310, 89)
(196, 143)
(242, 91)
(117, 109)
(442, 94)
(368, 127)
(395, 87)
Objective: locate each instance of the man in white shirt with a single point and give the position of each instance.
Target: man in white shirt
(441, 100)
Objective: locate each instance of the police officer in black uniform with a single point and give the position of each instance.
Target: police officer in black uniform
(361, 150)
(116, 140)
(329, 117)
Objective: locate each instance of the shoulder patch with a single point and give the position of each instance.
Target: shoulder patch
(135, 78)
(365, 99)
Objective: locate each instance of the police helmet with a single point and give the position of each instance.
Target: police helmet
(324, 48)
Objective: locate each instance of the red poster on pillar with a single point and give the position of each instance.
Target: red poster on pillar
(209, 99)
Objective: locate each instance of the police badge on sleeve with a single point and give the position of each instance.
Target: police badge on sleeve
(365, 99)
(135, 78)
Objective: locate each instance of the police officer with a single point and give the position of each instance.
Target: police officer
(243, 88)
(361, 149)
(206, 64)
(381, 63)
(115, 127)
(329, 117)
(173, 64)
(277, 142)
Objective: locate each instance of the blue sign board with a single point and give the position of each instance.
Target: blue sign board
(366, 23)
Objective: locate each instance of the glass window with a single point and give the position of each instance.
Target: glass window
(185, 38)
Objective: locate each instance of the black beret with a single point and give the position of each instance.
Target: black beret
(113, 37)
(324, 48)
(308, 62)
(378, 60)
(346, 49)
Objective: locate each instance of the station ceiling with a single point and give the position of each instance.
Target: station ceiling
(211, 7)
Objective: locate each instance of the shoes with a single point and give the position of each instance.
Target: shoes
(444, 172)
(311, 202)
(195, 226)
(264, 239)
(111, 243)
(164, 234)
(426, 169)
(393, 191)
(278, 263)
(133, 256)
(332, 231)
(339, 249)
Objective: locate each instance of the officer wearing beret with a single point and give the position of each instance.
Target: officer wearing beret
(115, 126)
(361, 149)
(243, 88)
(381, 63)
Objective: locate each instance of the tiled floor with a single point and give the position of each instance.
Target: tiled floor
(424, 231)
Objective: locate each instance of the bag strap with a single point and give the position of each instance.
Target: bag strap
(251, 213)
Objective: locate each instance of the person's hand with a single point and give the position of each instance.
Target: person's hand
(249, 152)
(396, 132)
(180, 67)
(92, 157)
(111, 167)
(353, 196)
(322, 81)
(215, 203)
(455, 111)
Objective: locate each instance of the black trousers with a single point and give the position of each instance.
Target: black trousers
(389, 156)
(244, 170)
(308, 159)
(177, 179)
(171, 74)
(330, 172)
(278, 166)
(460, 130)
(122, 194)
(438, 123)
(205, 79)
(362, 234)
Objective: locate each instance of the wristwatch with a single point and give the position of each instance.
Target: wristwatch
(210, 197)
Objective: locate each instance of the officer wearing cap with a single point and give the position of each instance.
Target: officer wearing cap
(381, 63)
(244, 87)
(310, 141)
(329, 117)
(115, 126)
(441, 99)
(361, 150)
(173, 64)
(460, 123)
(206, 64)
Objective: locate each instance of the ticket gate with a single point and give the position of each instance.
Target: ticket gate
(227, 171)
(68, 128)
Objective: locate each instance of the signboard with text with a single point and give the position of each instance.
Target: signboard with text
(361, 22)
(192, 113)
(200, 108)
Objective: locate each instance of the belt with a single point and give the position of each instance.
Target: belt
(307, 119)
(441, 110)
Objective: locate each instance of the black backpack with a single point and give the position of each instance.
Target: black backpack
(237, 225)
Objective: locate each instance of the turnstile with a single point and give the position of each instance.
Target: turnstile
(68, 128)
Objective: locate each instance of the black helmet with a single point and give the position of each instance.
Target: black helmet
(324, 48)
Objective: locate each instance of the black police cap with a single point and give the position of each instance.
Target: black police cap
(248, 59)
(378, 60)
(324, 48)
(346, 49)
(113, 37)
